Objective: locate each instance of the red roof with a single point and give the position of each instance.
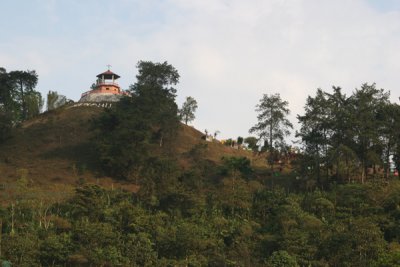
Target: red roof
(108, 75)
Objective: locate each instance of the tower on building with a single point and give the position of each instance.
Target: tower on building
(106, 89)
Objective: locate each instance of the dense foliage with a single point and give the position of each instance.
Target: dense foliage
(207, 213)
(207, 216)
(125, 133)
(19, 100)
(55, 100)
(345, 137)
(189, 107)
(272, 126)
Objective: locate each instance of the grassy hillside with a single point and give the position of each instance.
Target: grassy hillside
(54, 149)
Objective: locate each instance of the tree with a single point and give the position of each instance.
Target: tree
(159, 75)
(55, 100)
(251, 142)
(22, 249)
(7, 105)
(355, 243)
(234, 188)
(272, 122)
(149, 116)
(338, 139)
(122, 139)
(34, 104)
(314, 131)
(55, 249)
(282, 259)
(139, 249)
(6, 96)
(239, 140)
(154, 96)
(24, 83)
(389, 115)
(18, 99)
(365, 104)
(188, 109)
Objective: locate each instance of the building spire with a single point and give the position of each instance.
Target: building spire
(108, 66)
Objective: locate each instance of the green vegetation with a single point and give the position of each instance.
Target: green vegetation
(272, 126)
(18, 99)
(346, 137)
(189, 107)
(185, 218)
(126, 133)
(55, 100)
(335, 204)
(251, 142)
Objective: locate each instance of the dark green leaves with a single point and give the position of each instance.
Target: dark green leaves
(125, 134)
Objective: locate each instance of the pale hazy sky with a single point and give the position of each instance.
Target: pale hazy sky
(228, 52)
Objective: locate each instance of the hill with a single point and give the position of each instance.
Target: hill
(239, 217)
(54, 149)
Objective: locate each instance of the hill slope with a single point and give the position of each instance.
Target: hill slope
(55, 148)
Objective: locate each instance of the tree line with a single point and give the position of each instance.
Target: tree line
(346, 137)
(343, 138)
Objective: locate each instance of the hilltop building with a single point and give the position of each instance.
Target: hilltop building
(106, 89)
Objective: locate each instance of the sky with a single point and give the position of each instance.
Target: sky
(228, 52)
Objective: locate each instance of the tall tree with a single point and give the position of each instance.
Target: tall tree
(273, 124)
(389, 132)
(18, 99)
(188, 109)
(154, 95)
(34, 104)
(24, 83)
(7, 105)
(364, 109)
(341, 154)
(5, 89)
(315, 132)
(126, 132)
